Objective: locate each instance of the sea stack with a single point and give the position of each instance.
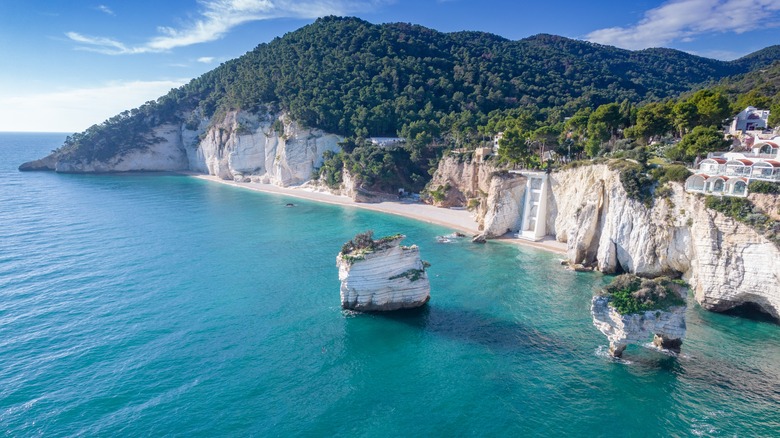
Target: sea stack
(381, 275)
(631, 310)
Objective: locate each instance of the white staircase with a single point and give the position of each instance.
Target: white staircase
(534, 223)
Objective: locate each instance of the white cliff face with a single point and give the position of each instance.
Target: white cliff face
(166, 154)
(726, 262)
(502, 212)
(389, 278)
(665, 328)
(498, 195)
(466, 180)
(732, 264)
(246, 146)
(239, 146)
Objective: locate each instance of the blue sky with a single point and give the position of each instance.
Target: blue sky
(68, 65)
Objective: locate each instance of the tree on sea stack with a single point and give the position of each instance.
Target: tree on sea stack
(381, 275)
(631, 309)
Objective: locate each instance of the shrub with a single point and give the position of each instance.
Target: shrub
(742, 210)
(440, 193)
(765, 187)
(362, 241)
(736, 208)
(663, 192)
(630, 294)
(675, 172)
(636, 182)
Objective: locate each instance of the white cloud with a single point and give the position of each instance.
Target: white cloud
(724, 55)
(105, 9)
(104, 45)
(77, 109)
(206, 59)
(683, 20)
(218, 17)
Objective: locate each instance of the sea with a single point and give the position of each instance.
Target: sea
(165, 305)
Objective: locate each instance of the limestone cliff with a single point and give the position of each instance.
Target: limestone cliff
(383, 276)
(666, 328)
(164, 153)
(238, 145)
(245, 146)
(351, 187)
(494, 195)
(726, 262)
(460, 180)
(501, 210)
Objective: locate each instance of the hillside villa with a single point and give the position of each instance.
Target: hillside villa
(729, 173)
(749, 119)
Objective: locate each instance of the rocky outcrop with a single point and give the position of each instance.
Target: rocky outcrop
(46, 163)
(495, 196)
(726, 262)
(248, 147)
(238, 146)
(464, 180)
(387, 276)
(665, 327)
(501, 212)
(164, 153)
(768, 203)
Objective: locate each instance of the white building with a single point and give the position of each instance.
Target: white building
(385, 142)
(496, 139)
(729, 173)
(749, 119)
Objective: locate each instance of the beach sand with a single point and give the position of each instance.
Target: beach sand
(457, 219)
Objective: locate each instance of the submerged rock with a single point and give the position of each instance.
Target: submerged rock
(629, 316)
(381, 275)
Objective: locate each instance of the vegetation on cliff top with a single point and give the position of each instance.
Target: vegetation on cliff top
(357, 79)
(631, 294)
(743, 210)
(363, 243)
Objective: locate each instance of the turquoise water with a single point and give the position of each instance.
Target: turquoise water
(165, 305)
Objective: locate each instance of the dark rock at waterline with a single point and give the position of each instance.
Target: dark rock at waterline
(46, 163)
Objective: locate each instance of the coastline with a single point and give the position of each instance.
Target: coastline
(460, 220)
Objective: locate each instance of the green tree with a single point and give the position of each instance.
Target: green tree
(697, 143)
(652, 120)
(685, 115)
(752, 98)
(774, 115)
(609, 114)
(713, 107)
(513, 147)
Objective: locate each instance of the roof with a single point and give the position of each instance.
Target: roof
(743, 161)
(717, 160)
(773, 163)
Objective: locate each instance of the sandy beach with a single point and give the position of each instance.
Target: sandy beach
(457, 219)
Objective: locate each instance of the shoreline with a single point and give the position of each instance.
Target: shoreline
(460, 220)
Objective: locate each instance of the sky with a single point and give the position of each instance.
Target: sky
(69, 65)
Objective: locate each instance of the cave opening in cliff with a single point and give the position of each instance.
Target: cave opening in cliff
(752, 311)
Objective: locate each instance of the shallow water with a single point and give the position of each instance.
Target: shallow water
(161, 304)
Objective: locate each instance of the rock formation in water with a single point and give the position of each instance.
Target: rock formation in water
(634, 315)
(381, 275)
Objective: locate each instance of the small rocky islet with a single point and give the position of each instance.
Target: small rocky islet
(631, 310)
(382, 274)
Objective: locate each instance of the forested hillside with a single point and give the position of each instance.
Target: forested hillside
(357, 79)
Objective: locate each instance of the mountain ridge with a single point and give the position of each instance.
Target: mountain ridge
(357, 79)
